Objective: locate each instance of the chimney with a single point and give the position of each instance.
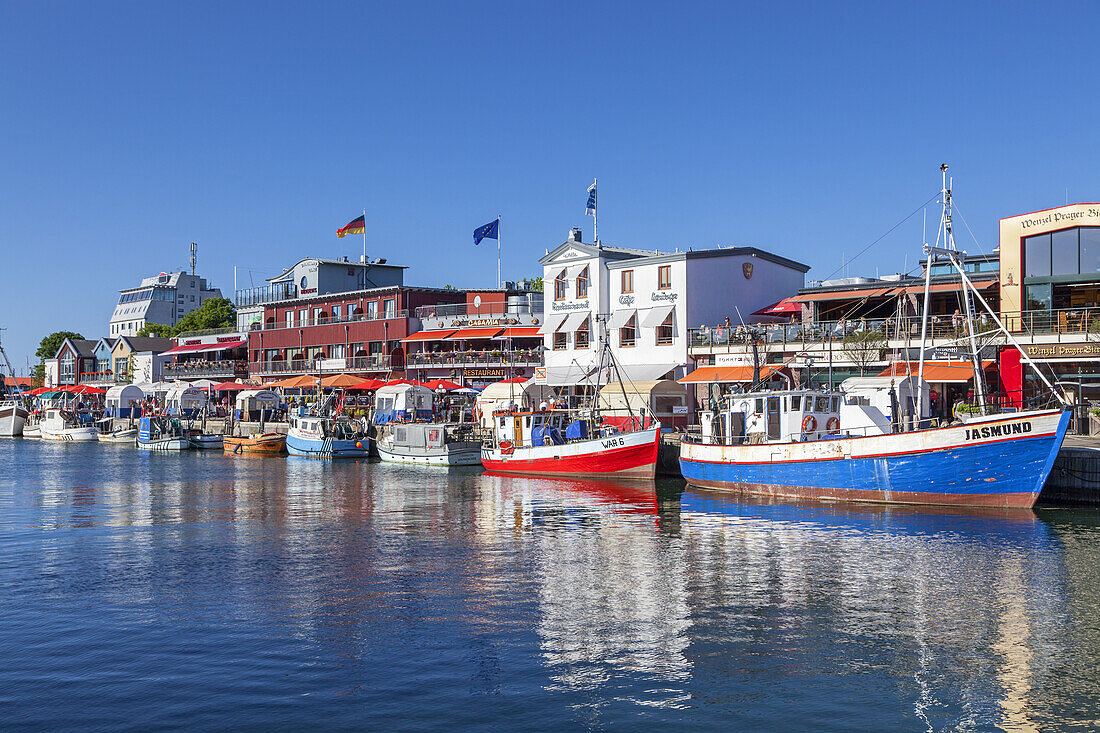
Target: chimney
(575, 235)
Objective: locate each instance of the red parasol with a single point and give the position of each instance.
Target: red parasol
(368, 385)
(442, 384)
(229, 387)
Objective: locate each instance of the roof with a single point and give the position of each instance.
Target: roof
(615, 253)
(722, 374)
(701, 254)
(519, 332)
(148, 343)
(879, 288)
(83, 347)
(341, 263)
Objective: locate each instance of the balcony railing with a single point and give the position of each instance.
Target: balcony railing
(1072, 322)
(380, 363)
(265, 294)
(485, 310)
(189, 369)
(328, 321)
(208, 332)
(520, 357)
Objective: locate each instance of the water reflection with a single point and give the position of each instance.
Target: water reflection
(571, 602)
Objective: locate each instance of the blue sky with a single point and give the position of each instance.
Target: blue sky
(129, 130)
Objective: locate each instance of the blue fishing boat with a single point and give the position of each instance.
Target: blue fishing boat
(326, 437)
(835, 446)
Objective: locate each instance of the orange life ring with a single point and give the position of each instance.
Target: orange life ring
(833, 425)
(809, 424)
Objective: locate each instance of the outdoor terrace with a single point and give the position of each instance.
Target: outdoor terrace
(375, 363)
(189, 369)
(517, 357)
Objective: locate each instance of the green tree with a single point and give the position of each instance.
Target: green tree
(38, 376)
(536, 285)
(156, 329)
(48, 347)
(213, 313)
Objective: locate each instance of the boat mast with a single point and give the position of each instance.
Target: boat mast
(14, 383)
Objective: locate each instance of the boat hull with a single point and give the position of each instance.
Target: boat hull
(119, 436)
(1001, 461)
(70, 435)
(628, 455)
(206, 442)
(271, 444)
(460, 454)
(12, 420)
(164, 444)
(297, 445)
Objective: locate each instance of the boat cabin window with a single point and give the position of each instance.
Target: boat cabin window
(759, 404)
(835, 406)
(796, 402)
(502, 422)
(822, 404)
(528, 421)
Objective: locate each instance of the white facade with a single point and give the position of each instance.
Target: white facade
(163, 299)
(660, 295)
(148, 367)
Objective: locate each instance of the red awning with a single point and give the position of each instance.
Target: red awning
(520, 332)
(198, 348)
(956, 372)
(230, 387)
(442, 384)
(368, 385)
(429, 335)
(785, 307)
(707, 374)
(463, 334)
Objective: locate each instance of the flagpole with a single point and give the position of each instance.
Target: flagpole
(364, 235)
(595, 210)
(500, 284)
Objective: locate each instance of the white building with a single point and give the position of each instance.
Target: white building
(163, 299)
(648, 301)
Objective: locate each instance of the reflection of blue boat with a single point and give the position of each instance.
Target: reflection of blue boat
(1011, 524)
(326, 437)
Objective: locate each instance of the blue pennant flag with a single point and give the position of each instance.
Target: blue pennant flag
(590, 209)
(489, 231)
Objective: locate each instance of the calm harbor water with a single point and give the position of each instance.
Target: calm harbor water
(211, 592)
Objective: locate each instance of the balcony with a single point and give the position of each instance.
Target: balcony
(519, 357)
(376, 363)
(485, 310)
(206, 369)
(328, 321)
(265, 294)
(208, 332)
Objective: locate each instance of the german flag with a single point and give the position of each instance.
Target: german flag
(357, 225)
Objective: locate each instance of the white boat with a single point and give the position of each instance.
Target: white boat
(13, 416)
(162, 433)
(206, 441)
(326, 437)
(68, 426)
(109, 434)
(429, 444)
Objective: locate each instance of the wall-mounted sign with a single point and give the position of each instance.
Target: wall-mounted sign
(307, 291)
(1080, 350)
(488, 321)
(483, 373)
(670, 297)
(559, 306)
(626, 300)
(540, 374)
(746, 270)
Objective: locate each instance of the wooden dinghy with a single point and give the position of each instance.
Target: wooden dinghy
(265, 443)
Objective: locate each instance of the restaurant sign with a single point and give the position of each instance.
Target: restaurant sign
(1065, 352)
(483, 373)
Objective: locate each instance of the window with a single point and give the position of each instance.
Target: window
(796, 403)
(351, 311)
(337, 313)
(559, 286)
(390, 307)
(121, 365)
(303, 317)
(1090, 250)
(664, 331)
(580, 338)
(1039, 297)
(67, 367)
(303, 282)
(628, 281)
(372, 310)
(559, 341)
(664, 277)
(628, 332)
(759, 405)
(582, 284)
(1037, 256)
(338, 351)
(317, 315)
(192, 297)
(290, 319)
(1063, 255)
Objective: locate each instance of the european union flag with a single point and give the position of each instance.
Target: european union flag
(489, 231)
